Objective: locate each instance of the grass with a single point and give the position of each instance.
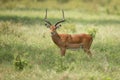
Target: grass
(106, 6)
(23, 32)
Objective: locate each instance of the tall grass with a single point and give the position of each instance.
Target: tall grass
(43, 56)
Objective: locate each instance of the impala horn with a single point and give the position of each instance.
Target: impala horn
(45, 19)
(63, 20)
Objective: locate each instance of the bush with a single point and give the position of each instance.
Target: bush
(20, 62)
(92, 31)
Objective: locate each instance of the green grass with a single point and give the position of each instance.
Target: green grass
(104, 6)
(23, 32)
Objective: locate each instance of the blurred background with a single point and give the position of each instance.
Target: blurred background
(106, 6)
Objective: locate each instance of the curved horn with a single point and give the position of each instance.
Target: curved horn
(63, 20)
(45, 19)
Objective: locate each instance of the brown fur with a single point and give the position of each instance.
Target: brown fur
(67, 41)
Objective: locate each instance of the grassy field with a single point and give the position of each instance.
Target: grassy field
(22, 32)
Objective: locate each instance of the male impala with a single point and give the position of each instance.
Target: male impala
(68, 41)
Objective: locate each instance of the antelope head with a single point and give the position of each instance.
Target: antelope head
(55, 26)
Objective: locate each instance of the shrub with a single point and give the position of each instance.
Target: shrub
(92, 31)
(20, 62)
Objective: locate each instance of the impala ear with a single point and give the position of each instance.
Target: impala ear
(58, 26)
(47, 25)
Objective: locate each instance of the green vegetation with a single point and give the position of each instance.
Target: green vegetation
(28, 53)
(92, 31)
(94, 6)
(19, 62)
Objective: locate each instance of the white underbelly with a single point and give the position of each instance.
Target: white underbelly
(74, 46)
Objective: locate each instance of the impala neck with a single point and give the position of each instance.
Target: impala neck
(55, 37)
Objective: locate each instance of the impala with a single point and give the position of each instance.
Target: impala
(68, 41)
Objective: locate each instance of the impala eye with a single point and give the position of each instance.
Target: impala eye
(47, 25)
(58, 26)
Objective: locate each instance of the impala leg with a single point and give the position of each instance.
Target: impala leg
(63, 50)
(90, 44)
(89, 47)
(88, 52)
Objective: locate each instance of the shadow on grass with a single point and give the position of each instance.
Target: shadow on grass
(97, 22)
(8, 51)
(24, 20)
(38, 20)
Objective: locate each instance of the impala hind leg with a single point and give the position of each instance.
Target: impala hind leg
(87, 50)
(90, 43)
(86, 47)
(63, 50)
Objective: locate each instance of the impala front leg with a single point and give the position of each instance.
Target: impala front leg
(63, 50)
